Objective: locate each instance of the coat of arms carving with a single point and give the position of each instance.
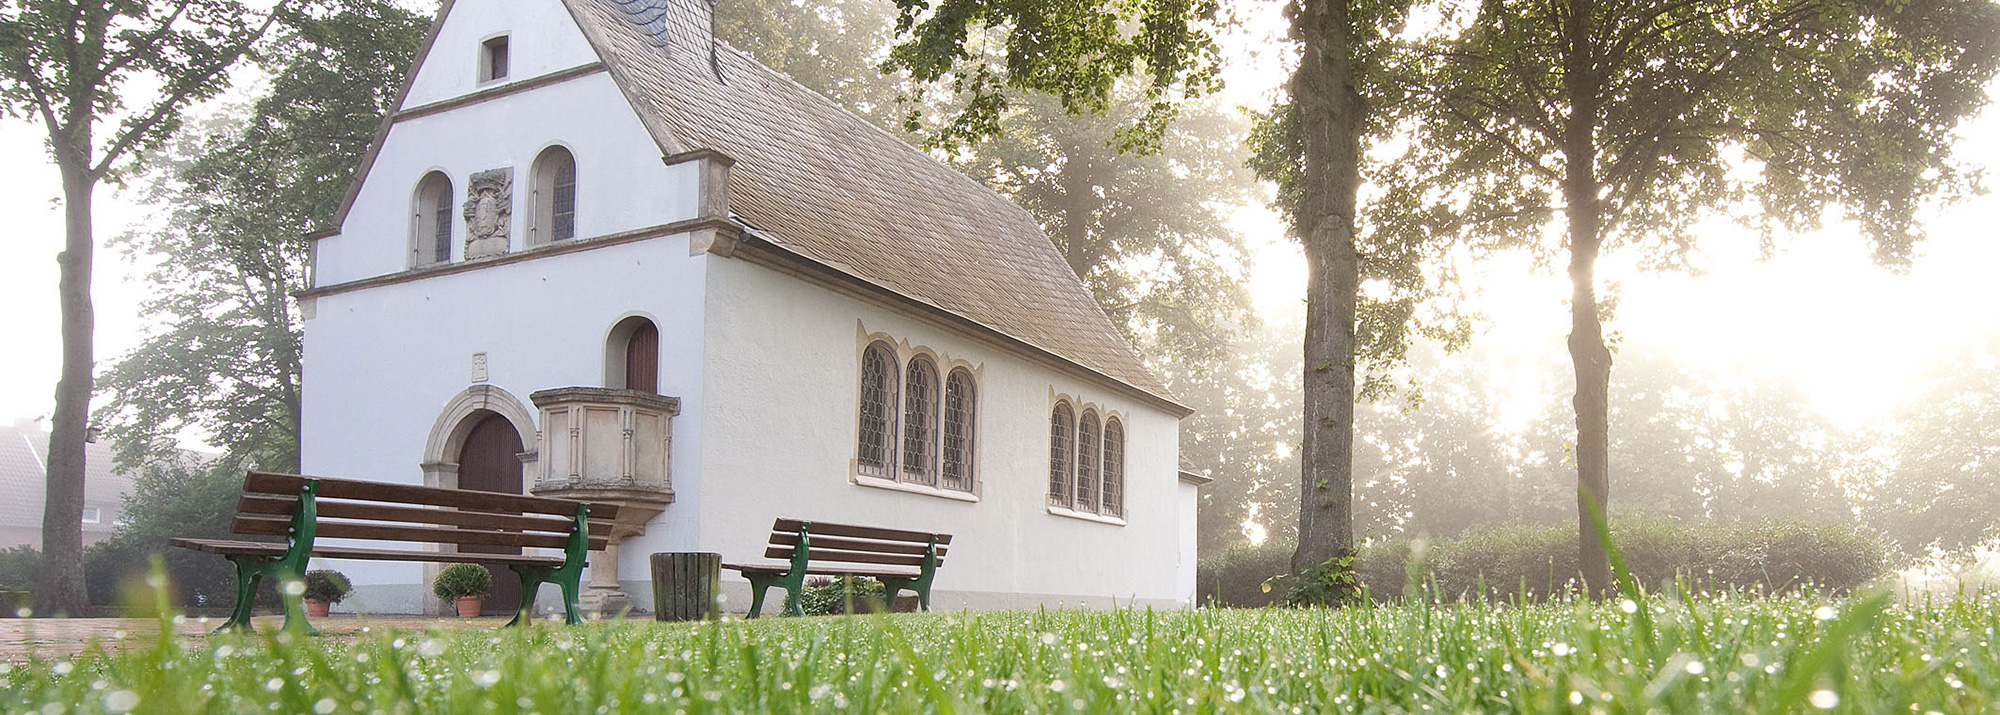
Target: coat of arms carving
(489, 208)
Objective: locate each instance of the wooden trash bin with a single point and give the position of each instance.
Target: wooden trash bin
(685, 585)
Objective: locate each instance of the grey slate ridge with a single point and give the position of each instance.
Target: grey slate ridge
(827, 185)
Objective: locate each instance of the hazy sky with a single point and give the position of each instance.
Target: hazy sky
(1851, 334)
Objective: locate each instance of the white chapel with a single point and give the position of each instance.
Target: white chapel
(595, 253)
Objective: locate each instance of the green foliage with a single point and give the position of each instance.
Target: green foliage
(231, 254)
(1078, 53)
(17, 567)
(1332, 582)
(1771, 556)
(833, 596)
(170, 500)
(1937, 482)
(327, 585)
(833, 48)
(1730, 654)
(461, 580)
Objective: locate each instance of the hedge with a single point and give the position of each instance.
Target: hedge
(1766, 557)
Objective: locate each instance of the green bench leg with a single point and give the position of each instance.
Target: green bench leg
(249, 574)
(531, 584)
(891, 586)
(759, 583)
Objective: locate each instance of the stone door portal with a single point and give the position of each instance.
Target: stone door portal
(490, 461)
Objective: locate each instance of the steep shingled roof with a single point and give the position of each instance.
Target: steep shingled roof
(825, 184)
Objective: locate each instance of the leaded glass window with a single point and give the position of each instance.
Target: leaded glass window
(1062, 455)
(920, 408)
(430, 226)
(959, 409)
(1114, 468)
(874, 451)
(564, 211)
(1086, 463)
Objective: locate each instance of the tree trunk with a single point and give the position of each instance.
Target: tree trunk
(60, 589)
(1587, 351)
(1330, 120)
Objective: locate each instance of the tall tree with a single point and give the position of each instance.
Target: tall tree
(73, 66)
(1078, 53)
(1632, 118)
(1171, 273)
(225, 359)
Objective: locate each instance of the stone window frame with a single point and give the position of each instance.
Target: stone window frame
(498, 45)
(1106, 461)
(966, 442)
(943, 368)
(617, 340)
(433, 213)
(545, 187)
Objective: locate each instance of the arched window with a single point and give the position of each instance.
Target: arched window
(632, 356)
(1114, 467)
(554, 215)
(430, 221)
(1062, 455)
(960, 407)
(1086, 462)
(874, 450)
(920, 417)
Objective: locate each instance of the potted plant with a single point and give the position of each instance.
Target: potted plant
(465, 585)
(324, 588)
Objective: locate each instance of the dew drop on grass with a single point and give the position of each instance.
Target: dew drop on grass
(273, 684)
(430, 648)
(1825, 613)
(121, 701)
(325, 706)
(1575, 698)
(1694, 667)
(1824, 699)
(1628, 606)
(485, 678)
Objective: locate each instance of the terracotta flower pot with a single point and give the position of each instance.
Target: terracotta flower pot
(468, 606)
(317, 609)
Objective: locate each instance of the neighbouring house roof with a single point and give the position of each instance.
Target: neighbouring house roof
(1193, 474)
(24, 456)
(820, 182)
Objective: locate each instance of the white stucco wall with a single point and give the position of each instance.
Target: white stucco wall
(779, 437)
(541, 38)
(621, 182)
(382, 363)
(1189, 497)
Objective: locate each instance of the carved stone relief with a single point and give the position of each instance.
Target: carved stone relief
(489, 210)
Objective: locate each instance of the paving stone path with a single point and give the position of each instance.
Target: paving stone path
(22, 638)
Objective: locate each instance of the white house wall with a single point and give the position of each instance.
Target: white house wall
(541, 38)
(621, 182)
(381, 364)
(779, 434)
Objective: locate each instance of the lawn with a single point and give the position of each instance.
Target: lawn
(1705, 654)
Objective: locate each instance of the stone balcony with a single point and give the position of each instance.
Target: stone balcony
(604, 445)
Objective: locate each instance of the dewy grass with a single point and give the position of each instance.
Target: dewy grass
(1704, 654)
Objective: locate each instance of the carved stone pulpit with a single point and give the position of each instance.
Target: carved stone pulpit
(604, 445)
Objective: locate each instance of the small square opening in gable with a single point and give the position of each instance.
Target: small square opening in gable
(493, 59)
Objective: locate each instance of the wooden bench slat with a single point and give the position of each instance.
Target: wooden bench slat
(331, 488)
(821, 571)
(331, 529)
(885, 547)
(221, 546)
(856, 557)
(379, 511)
(827, 528)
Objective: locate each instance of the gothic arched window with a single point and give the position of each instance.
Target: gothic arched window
(920, 417)
(1062, 454)
(875, 445)
(1086, 462)
(1114, 467)
(961, 406)
(554, 215)
(430, 222)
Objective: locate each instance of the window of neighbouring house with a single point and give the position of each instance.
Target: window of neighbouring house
(93, 515)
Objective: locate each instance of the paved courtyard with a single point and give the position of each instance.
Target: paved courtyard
(21, 638)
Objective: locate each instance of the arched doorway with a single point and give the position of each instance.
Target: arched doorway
(490, 461)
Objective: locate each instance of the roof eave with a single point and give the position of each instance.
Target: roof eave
(766, 252)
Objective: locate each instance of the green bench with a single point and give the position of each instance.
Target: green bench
(303, 509)
(820, 548)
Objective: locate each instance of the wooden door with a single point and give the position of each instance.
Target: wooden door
(642, 359)
(490, 461)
